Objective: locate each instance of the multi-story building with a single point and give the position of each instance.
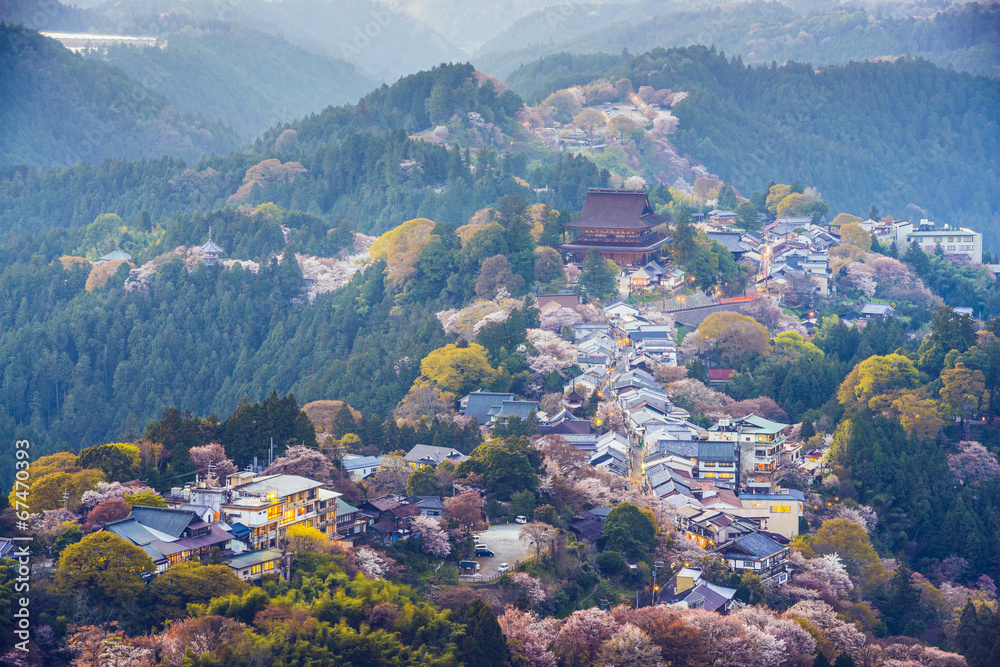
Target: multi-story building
(760, 441)
(758, 554)
(269, 505)
(959, 242)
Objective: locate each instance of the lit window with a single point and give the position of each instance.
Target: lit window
(274, 512)
(709, 475)
(269, 565)
(725, 475)
(780, 509)
(709, 464)
(255, 569)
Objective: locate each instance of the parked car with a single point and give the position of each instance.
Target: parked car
(504, 568)
(484, 552)
(521, 519)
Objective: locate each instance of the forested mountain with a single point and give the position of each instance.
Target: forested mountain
(912, 138)
(39, 15)
(965, 37)
(247, 79)
(381, 39)
(355, 161)
(61, 108)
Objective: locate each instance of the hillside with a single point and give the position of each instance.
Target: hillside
(382, 42)
(61, 108)
(50, 15)
(965, 37)
(907, 136)
(244, 78)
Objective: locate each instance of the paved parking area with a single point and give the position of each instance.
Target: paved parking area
(502, 540)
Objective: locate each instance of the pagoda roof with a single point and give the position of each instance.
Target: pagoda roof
(617, 209)
(210, 248)
(116, 255)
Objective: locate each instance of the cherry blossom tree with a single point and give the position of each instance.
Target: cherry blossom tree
(434, 538)
(973, 463)
(213, 454)
(629, 647)
(371, 562)
(106, 511)
(582, 634)
(532, 635)
(303, 461)
(845, 637)
(529, 586)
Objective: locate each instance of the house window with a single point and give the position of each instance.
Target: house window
(255, 569)
(951, 247)
(708, 464)
(709, 475)
(951, 239)
(273, 512)
(780, 509)
(269, 565)
(725, 475)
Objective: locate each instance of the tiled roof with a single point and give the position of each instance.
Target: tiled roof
(720, 374)
(171, 522)
(617, 209)
(755, 545)
(479, 403)
(283, 485)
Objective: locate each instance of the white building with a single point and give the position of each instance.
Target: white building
(955, 241)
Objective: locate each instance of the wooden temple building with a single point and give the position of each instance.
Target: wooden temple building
(619, 225)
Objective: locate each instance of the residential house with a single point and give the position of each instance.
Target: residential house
(758, 554)
(613, 454)
(575, 430)
(359, 467)
(760, 442)
(171, 536)
(733, 242)
(351, 522)
(429, 455)
(675, 279)
(721, 217)
(391, 518)
(255, 564)
(619, 309)
(871, 310)
(776, 512)
(431, 506)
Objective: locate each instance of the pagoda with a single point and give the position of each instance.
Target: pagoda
(210, 251)
(619, 225)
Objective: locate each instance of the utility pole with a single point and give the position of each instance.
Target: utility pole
(656, 589)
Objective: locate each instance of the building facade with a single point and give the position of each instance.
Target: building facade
(619, 225)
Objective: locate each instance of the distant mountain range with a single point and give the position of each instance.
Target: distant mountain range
(60, 108)
(966, 37)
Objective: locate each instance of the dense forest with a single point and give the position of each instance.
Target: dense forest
(356, 161)
(963, 36)
(247, 79)
(61, 108)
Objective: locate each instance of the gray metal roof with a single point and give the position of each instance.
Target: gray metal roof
(754, 544)
(253, 558)
(479, 403)
(169, 521)
(131, 530)
(115, 255)
(283, 485)
(210, 248)
(716, 451)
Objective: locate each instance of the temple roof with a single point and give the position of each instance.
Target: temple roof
(617, 209)
(210, 248)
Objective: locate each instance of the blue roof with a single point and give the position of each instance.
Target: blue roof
(362, 462)
(716, 451)
(169, 521)
(481, 402)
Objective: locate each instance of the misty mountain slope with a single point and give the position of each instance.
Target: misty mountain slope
(245, 78)
(51, 15)
(60, 108)
(966, 37)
